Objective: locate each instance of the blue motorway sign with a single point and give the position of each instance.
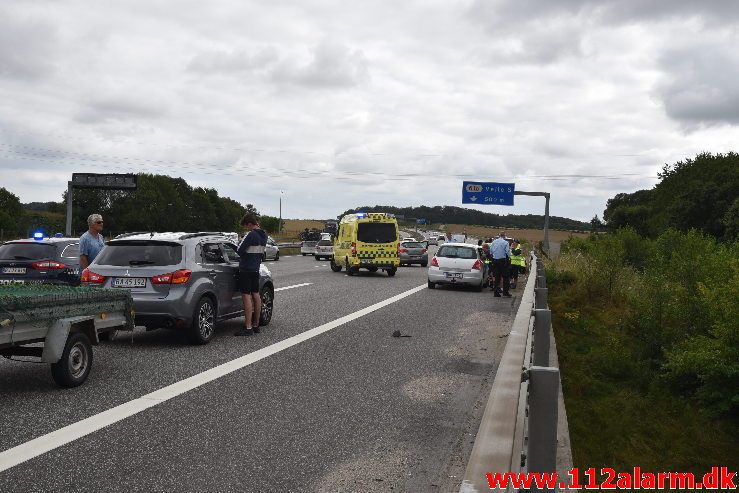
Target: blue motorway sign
(476, 192)
(421, 221)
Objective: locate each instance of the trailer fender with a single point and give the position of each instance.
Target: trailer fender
(56, 337)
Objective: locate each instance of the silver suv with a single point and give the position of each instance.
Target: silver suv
(182, 281)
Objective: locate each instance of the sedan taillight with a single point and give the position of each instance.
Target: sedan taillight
(477, 265)
(48, 264)
(402, 250)
(434, 262)
(89, 276)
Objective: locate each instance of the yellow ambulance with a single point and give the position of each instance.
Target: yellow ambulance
(366, 240)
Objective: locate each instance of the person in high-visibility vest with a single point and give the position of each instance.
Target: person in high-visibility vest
(518, 262)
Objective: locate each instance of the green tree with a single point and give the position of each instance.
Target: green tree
(11, 213)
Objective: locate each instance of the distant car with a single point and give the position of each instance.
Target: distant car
(183, 281)
(458, 263)
(307, 247)
(324, 249)
(431, 240)
(409, 238)
(413, 252)
(440, 239)
(271, 251)
(46, 260)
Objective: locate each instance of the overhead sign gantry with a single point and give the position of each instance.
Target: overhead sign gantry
(99, 181)
(490, 193)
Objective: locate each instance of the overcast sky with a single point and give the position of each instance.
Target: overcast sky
(340, 104)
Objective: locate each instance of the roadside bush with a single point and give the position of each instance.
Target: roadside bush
(707, 364)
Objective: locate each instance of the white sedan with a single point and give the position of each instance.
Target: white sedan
(458, 263)
(324, 249)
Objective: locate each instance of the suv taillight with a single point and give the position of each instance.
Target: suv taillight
(48, 264)
(91, 277)
(177, 277)
(477, 265)
(354, 249)
(402, 250)
(434, 262)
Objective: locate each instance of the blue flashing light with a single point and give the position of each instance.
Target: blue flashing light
(361, 214)
(38, 236)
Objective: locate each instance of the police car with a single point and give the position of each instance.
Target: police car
(40, 260)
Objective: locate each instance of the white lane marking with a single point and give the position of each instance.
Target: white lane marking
(38, 446)
(293, 286)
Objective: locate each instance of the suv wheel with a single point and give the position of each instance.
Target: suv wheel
(268, 299)
(203, 321)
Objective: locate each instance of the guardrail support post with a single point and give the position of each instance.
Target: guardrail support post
(542, 327)
(541, 280)
(540, 300)
(543, 395)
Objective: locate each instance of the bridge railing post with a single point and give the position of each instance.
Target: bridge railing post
(542, 443)
(542, 329)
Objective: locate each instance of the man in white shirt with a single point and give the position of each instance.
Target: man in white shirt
(501, 253)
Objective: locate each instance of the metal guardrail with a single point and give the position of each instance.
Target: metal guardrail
(518, 432)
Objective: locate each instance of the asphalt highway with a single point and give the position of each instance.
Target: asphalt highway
(349, 409)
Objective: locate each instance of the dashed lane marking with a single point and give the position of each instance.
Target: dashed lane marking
(293, 286)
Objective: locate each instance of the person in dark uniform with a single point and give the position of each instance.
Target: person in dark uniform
(251, 251)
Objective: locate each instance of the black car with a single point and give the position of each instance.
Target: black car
(47, 260)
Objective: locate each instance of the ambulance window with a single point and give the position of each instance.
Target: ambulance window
(376, 232)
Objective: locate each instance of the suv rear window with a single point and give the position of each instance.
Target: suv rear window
(456, 252)
(376, 233)
(27, 251)
(325, 243)
(127, 253)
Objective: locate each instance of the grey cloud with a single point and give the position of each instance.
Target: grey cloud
(122, 107)
(702, 86)
(331, 66)
(221, 61)
(28, 46)
(511, 14)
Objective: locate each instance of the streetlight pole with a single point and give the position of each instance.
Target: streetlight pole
(279, 224)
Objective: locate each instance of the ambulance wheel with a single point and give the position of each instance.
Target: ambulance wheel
(334, 266)
(372, 269)
(76, 361)
(391, 272)
(350, 271)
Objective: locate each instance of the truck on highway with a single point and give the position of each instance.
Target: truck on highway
(60, 324)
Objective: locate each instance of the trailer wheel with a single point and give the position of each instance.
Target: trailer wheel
(76, 361)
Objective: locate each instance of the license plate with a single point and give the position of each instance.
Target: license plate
(129, 282)
(14, 270)
(454, 275)
(12, 281)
